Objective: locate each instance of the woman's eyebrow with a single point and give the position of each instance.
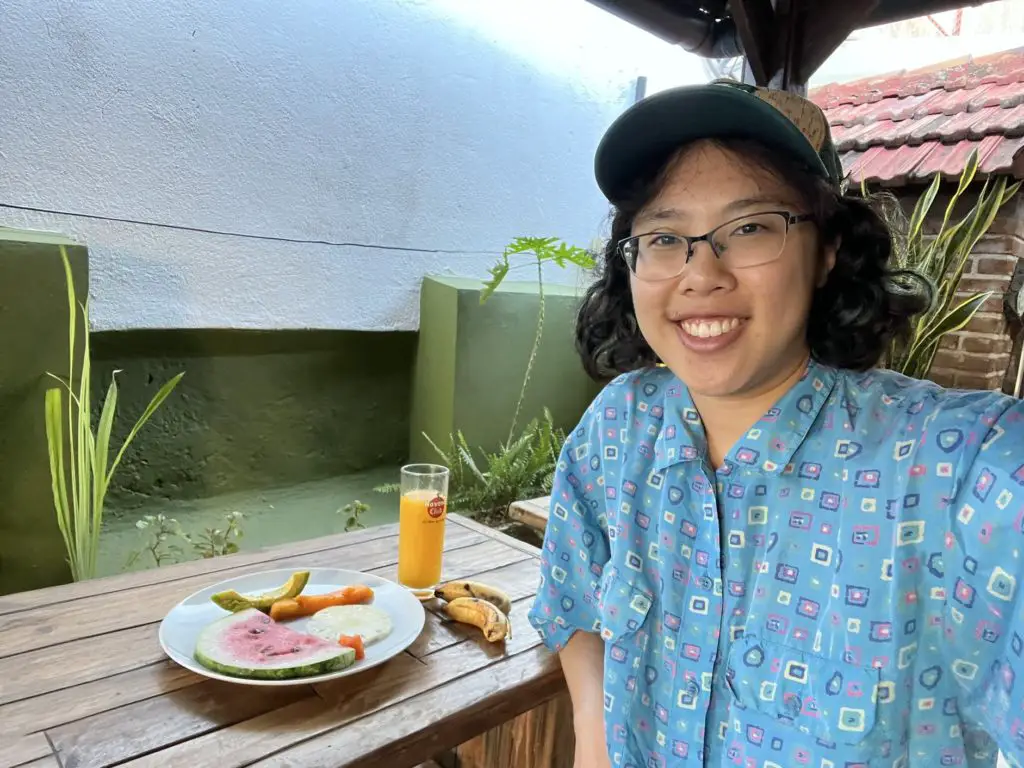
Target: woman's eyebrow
(674, 214)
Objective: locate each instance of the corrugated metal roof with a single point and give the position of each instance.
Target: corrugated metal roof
(905, 127)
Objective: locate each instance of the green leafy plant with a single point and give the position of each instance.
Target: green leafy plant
(166, 541)
(215, 542)
(520, 468)
(352, 512)
(543, 250)
(161, 534)
(942, 258)
(80, 466)
(523, 466)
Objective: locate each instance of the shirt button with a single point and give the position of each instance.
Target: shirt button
(706, 583)
(692, 688)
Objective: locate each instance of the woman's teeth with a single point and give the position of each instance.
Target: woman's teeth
(705, 329)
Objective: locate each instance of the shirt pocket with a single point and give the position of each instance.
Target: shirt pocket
(830, 701)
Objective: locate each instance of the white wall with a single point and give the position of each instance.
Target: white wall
(395, 124)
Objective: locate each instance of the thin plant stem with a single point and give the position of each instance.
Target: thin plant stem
(533, 350)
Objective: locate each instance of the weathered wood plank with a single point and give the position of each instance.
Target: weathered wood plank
(48, 669)
(99, 614)
(435, 720)
(519, 580)
(120, 734)
(22, 601)
(531, 512)
(542, 736)
(23, 749)
(51, 709)
(490, 533)
(103, 694)
(82, 661)
(50, 761)
(342, 701)
(468, 561)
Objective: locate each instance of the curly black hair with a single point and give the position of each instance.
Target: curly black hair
(854, 316)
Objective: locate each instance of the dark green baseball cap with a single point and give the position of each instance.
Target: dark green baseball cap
(643, 137)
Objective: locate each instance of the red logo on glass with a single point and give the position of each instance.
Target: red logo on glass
(435, 507)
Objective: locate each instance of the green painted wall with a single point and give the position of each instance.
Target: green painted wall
(33, 341)
(263, 409)
(471, 359)
(256, 409)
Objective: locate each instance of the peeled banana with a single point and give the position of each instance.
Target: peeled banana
(480, 613)
(453, 590)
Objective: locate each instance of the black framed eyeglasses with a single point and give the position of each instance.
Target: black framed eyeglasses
(747, 241)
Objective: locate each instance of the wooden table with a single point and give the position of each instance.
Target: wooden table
(531, 512)
(84, 682)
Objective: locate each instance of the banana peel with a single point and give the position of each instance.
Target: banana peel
(452, 590)
(491, 620)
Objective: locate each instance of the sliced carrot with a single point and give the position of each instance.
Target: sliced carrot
(354, 595)
(283, 610)
(307, 605)
(356, 643)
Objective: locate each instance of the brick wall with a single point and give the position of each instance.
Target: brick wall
(983, 354)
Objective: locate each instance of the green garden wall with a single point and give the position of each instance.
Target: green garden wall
(263, 409)
(471, 358)
(33, 341)
(256, 409)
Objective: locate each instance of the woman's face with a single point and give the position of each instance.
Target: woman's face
(686, 319)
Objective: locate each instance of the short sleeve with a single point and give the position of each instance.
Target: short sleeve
(576, 546)
(984, 569)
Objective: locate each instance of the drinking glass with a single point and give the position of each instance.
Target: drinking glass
(421, 519)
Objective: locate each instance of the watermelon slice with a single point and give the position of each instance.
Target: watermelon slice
(250, 644)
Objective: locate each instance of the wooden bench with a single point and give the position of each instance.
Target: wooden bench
(531, 512)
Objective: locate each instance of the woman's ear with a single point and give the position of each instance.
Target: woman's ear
(828, 262)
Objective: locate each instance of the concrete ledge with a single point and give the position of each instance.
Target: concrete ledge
(471, 358)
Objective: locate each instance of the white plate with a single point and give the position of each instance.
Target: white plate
(182, 625)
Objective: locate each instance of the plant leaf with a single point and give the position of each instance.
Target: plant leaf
(155, 403)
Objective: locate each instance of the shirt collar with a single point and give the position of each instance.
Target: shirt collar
(768, 446)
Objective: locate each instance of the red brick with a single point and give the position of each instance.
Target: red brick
(964, 361)
(1010, 219)
(992, 305)
(949, 360)
(994, 265)
(987, 323)
(978, 284)
(975, 381)
(1000, 245)
(998, 345)
(942, 377)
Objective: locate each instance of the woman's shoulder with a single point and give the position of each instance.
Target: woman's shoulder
(885, 388)
(622, 398)
(915, 407)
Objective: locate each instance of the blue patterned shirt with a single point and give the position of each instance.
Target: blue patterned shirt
(841, 593)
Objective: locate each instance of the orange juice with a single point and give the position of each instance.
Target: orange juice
(421, 538)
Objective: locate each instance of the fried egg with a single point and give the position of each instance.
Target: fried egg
(371, 623)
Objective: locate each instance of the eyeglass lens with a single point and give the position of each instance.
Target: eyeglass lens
(746, 242)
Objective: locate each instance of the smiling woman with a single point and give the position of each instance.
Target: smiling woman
(832, 276)
(774, 531)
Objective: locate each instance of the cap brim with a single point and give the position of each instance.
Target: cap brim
(643, 137)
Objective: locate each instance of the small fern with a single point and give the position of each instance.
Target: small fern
(521, 468)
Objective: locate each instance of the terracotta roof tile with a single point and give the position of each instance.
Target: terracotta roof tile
(904, 127)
